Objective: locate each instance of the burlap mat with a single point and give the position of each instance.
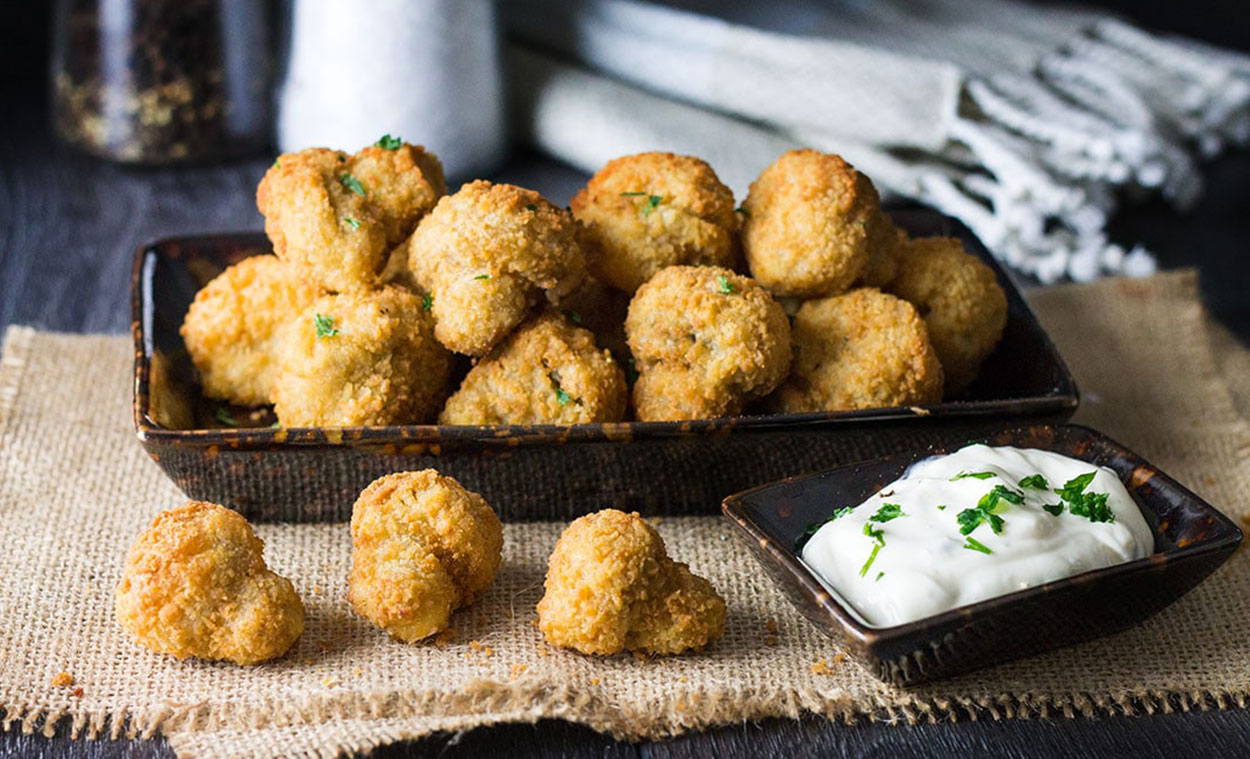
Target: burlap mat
(75, 489)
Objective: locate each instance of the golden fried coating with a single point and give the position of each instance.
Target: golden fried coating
(422, 547)
(546, 372)
(361, 359)
(806, 231)
(195, 584)
(861, 349)
(485, 254)
(884, 241)
(960, 300)
(651, 210)
(705, 342)
(611, 586)
(335, 216)
(232, 327)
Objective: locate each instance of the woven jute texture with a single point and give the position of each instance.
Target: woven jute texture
(75, 489)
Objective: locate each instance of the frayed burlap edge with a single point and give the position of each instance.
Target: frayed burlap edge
(530, 702)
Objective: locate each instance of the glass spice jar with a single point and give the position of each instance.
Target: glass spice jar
(162, 81)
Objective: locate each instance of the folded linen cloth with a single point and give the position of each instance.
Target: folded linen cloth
(1024, 122)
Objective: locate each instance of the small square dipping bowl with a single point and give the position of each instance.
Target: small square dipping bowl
(1192, 539)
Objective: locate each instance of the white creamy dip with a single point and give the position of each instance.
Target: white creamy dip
(923, 565)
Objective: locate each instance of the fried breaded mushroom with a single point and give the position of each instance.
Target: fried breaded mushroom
(546, 372)
(195, 583)
(960, 300)
(806, 231)
(422, 547)
(884, 241)
(232, 327)
(611, 586)
(705, 341)
(862, 349)
(335, 216)
(486, 254)
(651, 210)
(361, 359)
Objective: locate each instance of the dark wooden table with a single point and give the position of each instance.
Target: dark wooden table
(69, 224)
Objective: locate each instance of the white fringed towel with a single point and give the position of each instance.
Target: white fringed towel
(1023, 122)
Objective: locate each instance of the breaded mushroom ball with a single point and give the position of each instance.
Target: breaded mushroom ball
(422, 547)
(806, 231)
(546, 372)
(884, 241)
(960, 300)
(361, 359)
(705, 342)
(335, 216)
(486, 255)
(232, 327)
(611, 586)
(862, 349)
(648, 211)
(195, 583)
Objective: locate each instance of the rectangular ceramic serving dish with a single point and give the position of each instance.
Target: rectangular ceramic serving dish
(538, 472)
(1192, 539)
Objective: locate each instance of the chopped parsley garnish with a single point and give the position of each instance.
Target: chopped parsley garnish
(531, 207)
(653, 201)
(352, 183)
(572, 315)
(972, 544)
(1073, 488)
(427, 302)
(1005, 493)
(325, 325)
(975, 475)
(878, 536)
(724, 286)
(1035, 481)
(482, 276)
(349, 221)
(879, 576)
(743, 211)
(941, 507)
(1092, 506)
(277, 163)
(970, 519)
(562, 395)
(387, 142)
(814, 526)
(222, 415)
(342, 158)
(887, 512)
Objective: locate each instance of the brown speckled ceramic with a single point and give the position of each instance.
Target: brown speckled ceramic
(1192, 539)
(535, 472)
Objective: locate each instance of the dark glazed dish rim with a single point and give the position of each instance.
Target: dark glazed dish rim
(839, 616)
(1062, 399)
